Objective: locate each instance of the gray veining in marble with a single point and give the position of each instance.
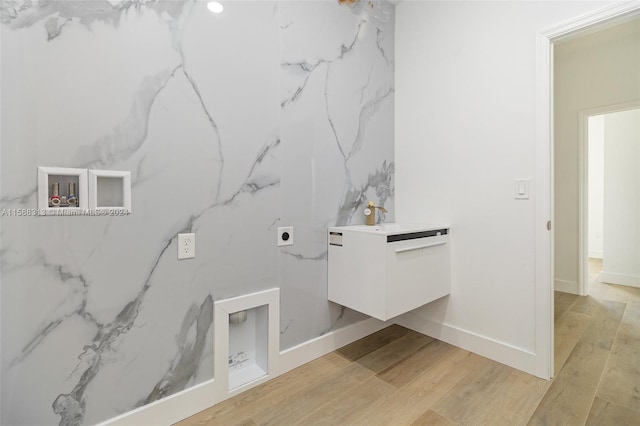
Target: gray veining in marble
(308, 68)
(186, 361)
(71, 406)
(270, 114)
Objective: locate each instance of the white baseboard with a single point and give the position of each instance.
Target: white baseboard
(171, 409)
(595, 254)
(566, 286)
(200, 397)
(482, 345)
(315, 348)
(621, 279)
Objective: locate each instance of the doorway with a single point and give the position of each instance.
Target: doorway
(594, 74)
(610, 195)
(548, 226)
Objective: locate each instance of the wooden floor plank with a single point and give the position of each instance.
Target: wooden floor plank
(413, 400)
(562, 303)
(398, 375)
(604, 324)
(366, 345)
(607, 413)
(569, 397)
(620, 382)
(585, 305)
(515, 401)
(394, 352)
(568, 330)
(346, 410)
(465, 402)
(619, 293)
(431, 418)
(634, 294)
(242, 407)
(334, 388)
(598, 289)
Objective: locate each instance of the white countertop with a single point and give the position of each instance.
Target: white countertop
(391, 228)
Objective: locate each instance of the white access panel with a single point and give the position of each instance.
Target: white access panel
(246, 354)
(389, 269)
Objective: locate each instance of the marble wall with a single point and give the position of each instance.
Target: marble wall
(269, 114)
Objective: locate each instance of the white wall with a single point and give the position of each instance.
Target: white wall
(465, 130)
(621, 263)
(596, 185)
(591, 71)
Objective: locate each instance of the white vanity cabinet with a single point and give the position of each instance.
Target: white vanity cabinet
(389, 269)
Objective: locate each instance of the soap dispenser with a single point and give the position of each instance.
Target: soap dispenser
(370, 213)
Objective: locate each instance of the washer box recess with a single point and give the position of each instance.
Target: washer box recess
(389, 269)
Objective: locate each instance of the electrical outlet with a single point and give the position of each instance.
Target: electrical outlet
(285, 236)
(186, 246)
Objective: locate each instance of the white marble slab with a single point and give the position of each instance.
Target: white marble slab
(270, 114)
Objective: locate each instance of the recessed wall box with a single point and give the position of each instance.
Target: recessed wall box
(389, 269)
(62, 190)
(110, 190)
(247, 341)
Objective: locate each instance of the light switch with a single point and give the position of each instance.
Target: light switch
(522, 189)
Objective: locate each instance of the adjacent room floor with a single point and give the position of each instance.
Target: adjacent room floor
(400, 377)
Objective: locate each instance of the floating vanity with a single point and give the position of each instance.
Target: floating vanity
(389, 269)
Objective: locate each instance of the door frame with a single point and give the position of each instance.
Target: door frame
(544, 217)
(583, 186)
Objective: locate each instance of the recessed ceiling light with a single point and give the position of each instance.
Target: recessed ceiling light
(215, 7)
